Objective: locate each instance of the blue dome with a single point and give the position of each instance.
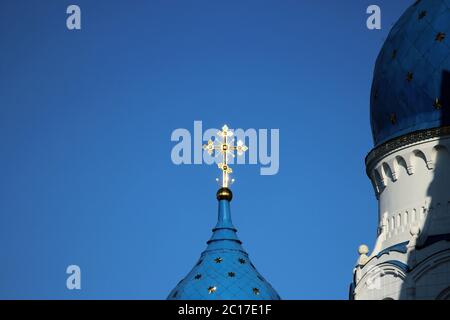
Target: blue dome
(411, 84)
(224, 270)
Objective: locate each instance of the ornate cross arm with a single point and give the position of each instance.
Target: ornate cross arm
(224, 147)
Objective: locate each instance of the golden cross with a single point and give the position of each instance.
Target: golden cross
(224, 146)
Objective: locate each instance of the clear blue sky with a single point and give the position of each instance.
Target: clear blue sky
(86, 116)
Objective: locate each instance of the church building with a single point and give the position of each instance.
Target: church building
(409, 166)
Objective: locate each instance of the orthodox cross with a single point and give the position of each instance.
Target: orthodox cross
(223, 146)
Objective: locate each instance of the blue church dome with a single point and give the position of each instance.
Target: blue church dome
(224, 270)
(411, 84)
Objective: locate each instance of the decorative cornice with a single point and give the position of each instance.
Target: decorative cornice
(405, 140)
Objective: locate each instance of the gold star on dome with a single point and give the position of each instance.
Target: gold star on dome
(225, 148)
(422, 14)
(212, 289)
(409, 76)
(393, 118)
(256, 291)
(440, 37)
(218, 260)
(437, 104)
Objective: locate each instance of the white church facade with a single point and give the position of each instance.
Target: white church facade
(409, 166)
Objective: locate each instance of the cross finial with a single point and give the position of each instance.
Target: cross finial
(223, 145)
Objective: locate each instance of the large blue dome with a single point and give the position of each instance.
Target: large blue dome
(224, 270)
(411, 84)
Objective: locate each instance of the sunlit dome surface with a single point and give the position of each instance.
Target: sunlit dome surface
(224, 270)
(411, 84)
